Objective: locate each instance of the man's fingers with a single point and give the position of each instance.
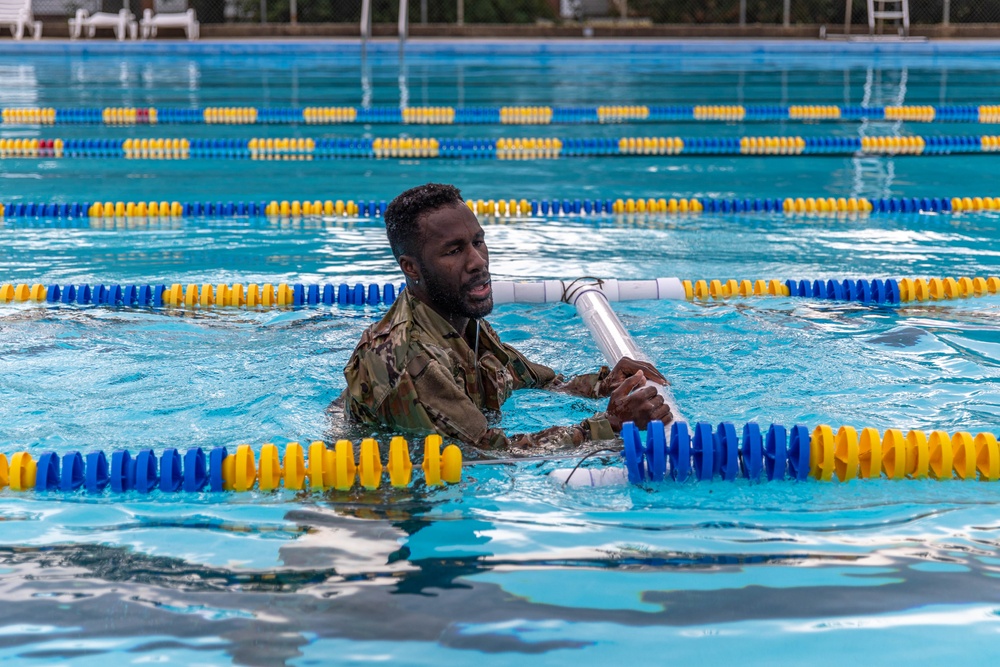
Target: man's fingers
(621, 393)
(629, 366)
(632, 382)
(640, 396)
(654, 375)
(632, 401)
(662, 414)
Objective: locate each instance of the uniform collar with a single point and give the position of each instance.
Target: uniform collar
(427, 319)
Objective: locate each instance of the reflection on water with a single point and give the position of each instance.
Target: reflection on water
(507, 565)
(20, 87)
(442, 576)
(381, 78)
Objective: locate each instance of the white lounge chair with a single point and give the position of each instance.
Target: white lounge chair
(17, 15)
(122, 23)
(186, 20)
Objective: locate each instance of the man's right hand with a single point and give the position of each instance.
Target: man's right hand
(626, 368)
(630, 401)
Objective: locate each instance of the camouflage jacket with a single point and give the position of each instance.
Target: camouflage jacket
(413, 373)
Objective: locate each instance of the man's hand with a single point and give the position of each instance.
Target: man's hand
(627, 368)
(630, 401)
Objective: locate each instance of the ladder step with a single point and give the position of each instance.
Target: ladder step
(887, 15)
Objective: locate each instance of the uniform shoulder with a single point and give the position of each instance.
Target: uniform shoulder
(388, 337)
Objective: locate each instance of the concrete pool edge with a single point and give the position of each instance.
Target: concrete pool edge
(691, 47)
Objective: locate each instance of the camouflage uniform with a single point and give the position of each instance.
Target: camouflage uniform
(412, 372)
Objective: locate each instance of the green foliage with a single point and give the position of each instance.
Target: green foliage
(728, 11)
(504, 11)
(386, 11)
(208, 11)
(804, 11)
(830, 12)
(706, 11)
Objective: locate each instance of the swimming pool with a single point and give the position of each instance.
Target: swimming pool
(506, 565)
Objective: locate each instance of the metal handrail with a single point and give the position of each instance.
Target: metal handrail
(366, 20)
(403, 24)
(404, 21)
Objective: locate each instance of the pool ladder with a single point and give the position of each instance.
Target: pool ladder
(366, 21)
(900, 11)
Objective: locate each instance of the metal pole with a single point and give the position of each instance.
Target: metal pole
(404, 20)
(743, 13)
(461, 12)
(946, 14)
(623, 5)
(423, 11)
(366, 19)
(848, 11)
(293, 11)
(786, 16)
(263, 11)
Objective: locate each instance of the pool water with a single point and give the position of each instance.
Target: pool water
(506, 565)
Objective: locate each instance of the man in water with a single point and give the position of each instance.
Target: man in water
(432, 364)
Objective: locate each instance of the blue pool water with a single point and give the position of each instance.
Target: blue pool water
(507, 565)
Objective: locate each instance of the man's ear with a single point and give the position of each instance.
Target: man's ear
(410, 268)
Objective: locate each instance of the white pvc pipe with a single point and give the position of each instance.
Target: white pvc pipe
(614, 476)
(551, 291)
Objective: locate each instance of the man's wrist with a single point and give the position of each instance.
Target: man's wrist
(597, 428)
(599, 385)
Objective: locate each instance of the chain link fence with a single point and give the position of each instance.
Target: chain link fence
(808, 12)
(631, 12)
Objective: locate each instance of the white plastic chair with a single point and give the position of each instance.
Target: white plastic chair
(17, 15)
(122, 23)
(186, 20)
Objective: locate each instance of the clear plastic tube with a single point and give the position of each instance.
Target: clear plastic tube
(612, 338)
(615, 343)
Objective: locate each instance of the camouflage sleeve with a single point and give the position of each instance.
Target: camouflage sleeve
(587, 385)
(433, 391)
(425, 397)
(592, 429)
(527, 374)
(446, 405)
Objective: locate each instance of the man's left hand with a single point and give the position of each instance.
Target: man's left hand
(626, 368)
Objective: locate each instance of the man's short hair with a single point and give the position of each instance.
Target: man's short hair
(402, 216)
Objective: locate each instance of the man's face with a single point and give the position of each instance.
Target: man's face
(454, 262)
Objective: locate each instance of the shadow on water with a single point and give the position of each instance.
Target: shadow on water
(351, 577)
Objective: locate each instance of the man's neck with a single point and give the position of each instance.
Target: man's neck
(459, 322)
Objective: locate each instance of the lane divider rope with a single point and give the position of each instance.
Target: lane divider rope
(776, 453)
(503, 115)
(866, 291)
(874, 291)
(504, 208)
(206, 295)
(518, 148)
(218, 469)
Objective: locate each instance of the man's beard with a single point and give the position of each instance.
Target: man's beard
(451, 299)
